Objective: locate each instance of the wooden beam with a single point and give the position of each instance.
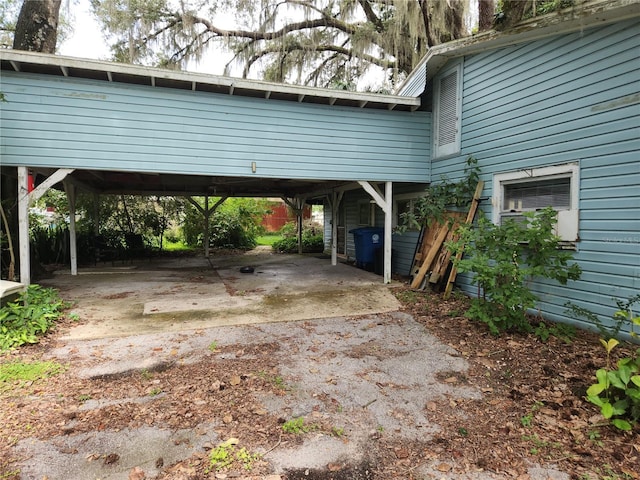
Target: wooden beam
(433, 251)
(54, 178)
(470, 216)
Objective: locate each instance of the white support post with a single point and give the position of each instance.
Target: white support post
(23, 225)
(386, 204)
(207, 217)
(70, 189)
(24, 201)
(388, 225)
(335, 200)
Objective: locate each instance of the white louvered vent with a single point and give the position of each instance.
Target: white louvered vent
(448, 110)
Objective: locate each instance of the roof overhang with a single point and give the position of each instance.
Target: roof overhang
(585, 14)
(42, 63)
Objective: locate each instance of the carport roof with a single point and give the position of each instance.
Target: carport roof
(141, 183)
(42, 63)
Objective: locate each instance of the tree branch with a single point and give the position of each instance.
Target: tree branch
(347, 52)
(292, 27)
(371, 16)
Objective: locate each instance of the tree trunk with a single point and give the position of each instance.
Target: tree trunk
(514, 11)
(37, 26)
(486, 10)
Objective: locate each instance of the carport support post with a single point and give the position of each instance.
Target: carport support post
(207, 216)
(335, 200)
(24, 200)
(73, 248)
(206, 213)
(23, 225)
(297, 204)
(386, 204)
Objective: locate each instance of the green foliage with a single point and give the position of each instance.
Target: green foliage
(441, 197)
(297, 426)
(16, 371)
(503, 258)
(235, 224)
(562, 331)
(224, 455)
(617, 391)
(312, 239)
(624, 316)
(32, 314)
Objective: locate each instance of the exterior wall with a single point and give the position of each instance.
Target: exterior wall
(66, 122)
(571, 98)
(404, 245)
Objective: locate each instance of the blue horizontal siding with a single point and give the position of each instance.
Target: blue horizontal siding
(64, 122)
(570, 98)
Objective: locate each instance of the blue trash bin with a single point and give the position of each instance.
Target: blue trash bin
(368, 240)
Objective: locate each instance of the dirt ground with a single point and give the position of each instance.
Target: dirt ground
(419, 393)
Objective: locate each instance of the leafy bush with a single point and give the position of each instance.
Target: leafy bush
(623, 316)
(440, 197)
(503, 258)
(312, 239)
(33, 314)
(235, 224)
(617, 391)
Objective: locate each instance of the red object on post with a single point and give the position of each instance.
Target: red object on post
(31, 183)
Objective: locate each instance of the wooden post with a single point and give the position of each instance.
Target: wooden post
(388, 225)
(23, 225)
(470, 216)
(207, 217)
(334, 201)
(70, 189)
(206, 213)
(385, 202)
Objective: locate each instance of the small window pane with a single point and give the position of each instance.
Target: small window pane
(364, 214)
(554, 193)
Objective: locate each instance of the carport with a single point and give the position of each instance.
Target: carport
(112, 128)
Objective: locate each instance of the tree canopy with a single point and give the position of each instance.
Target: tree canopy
(314, 42)
(329, 43)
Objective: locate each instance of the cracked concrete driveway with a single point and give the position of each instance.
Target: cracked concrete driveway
(348, 356)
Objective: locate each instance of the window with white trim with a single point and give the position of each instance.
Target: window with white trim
(447, 111)
(366, 213)
(404, 203)
(515, 193)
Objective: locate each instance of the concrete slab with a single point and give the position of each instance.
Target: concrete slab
(172, 295)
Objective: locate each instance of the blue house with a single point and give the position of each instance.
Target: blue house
(550, 109)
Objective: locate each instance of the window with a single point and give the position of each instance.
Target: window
(365, 213)
(533, 189)
(404, 203)
(447, 111)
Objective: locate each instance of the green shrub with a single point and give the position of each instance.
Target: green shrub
(617, 391)
(310, 244)
(32, 314)
(235, 224)
(503, 258)
(312, 238)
